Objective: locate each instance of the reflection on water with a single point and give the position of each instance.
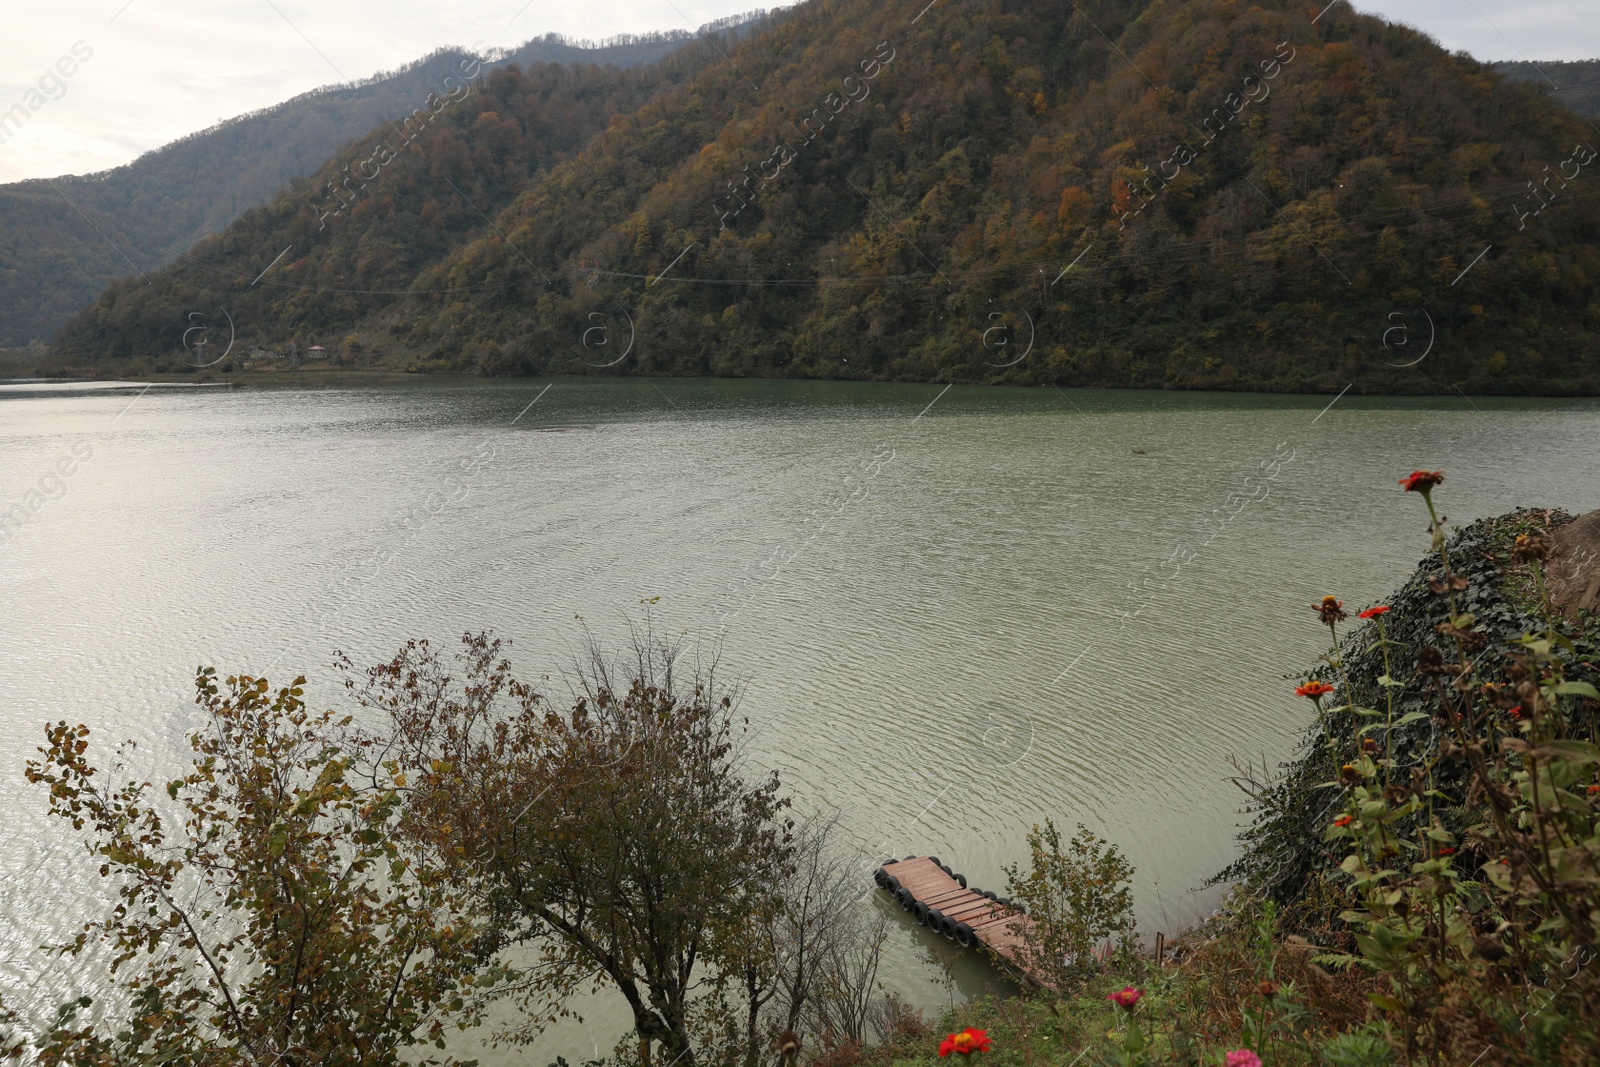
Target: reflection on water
(953, 621)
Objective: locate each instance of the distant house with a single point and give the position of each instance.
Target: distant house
(317, 352)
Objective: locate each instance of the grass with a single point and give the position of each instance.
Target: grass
(1206, 1001)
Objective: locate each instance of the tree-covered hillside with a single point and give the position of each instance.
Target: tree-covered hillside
(1181, 193)
(52, 262)
(1575, 84)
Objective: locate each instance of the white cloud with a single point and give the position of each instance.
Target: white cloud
(165, 68)
(1502, 29)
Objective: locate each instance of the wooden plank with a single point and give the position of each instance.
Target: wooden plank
(989, 920)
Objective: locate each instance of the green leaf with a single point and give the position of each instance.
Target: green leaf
(1389, 683)
(1410, 717)
(1571, 751)
(1581, 689)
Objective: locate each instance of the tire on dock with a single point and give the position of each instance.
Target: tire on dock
(964, 935)
(920, 910)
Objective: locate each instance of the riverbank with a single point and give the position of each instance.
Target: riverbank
(19, 363)
(1419, 882)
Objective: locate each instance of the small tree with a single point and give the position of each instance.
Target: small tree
(271, 919)
(1076, 898)
(617, 837)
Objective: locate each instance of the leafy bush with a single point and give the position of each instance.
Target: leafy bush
(1076, 899)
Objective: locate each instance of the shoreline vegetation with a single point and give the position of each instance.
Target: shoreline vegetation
(1419, 885)
(14, 366)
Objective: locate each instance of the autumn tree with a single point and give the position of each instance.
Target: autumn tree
(615, 834)
(266, 914)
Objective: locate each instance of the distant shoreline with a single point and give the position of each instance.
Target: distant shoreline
(323, 376)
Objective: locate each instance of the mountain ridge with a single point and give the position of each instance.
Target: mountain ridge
(53, 262)
(1330, 211)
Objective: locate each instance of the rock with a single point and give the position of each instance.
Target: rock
(1572, 573)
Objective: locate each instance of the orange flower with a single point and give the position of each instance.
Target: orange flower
(1421, 481)
(966, 1042)
(1531, 546)
(1344, 820)
(1374, 611)
(1313, 690)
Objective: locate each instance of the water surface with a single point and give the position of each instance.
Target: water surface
(957, 612)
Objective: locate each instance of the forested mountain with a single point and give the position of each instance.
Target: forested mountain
(1575, 84)
(1184, 193)
(52, 262)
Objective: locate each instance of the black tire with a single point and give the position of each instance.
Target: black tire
(989, 893)
(891, 883)
(961, 880)
(935, 860)
(920, 910)
(947, 927)
(964, 935)
(903, 895)
(908, 857)
(936, 920)
(946, 869)
(880, 877)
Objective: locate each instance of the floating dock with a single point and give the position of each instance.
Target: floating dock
(941, 900)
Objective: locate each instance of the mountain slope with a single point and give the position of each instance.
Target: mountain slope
(1245, 199)
(1575, 84)
(52, 262)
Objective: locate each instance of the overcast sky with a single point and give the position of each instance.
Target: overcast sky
(163, 68)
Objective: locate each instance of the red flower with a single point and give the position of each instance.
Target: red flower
(1374, 611)
(1330, 609)
(1126, 997)
(1344, 820)
(1313, 690)
(1594, 790)
(1421, 481)
(1447, 851)
(966, 1042)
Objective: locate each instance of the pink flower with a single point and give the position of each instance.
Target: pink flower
(1242, 1057)
(1126, 997)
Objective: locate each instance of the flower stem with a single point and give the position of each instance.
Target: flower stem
(1388, 690)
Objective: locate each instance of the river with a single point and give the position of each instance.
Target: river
(956, 611)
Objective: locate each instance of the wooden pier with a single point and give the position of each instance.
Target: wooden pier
(941, 900)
